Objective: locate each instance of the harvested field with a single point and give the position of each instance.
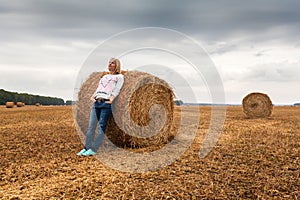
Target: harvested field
(253, 159)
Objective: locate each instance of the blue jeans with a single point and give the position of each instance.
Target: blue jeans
(99, 115)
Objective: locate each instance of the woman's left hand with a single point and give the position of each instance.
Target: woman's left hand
(108, 102)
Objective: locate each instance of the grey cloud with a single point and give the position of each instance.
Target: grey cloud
(275, 72)
(221, 48)
(93, 19)
(29, 24)
(44, 82)
(261, 53)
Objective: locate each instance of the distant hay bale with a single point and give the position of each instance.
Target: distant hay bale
(20, 104)
(143, 111)
(10, 104)
(37, 104)
(257, 105)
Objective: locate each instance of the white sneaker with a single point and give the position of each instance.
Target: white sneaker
(82, 152)
(89, 152)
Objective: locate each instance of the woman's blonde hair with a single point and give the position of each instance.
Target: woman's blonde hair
(118, 64)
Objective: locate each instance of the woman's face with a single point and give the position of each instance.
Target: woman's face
(112, 66)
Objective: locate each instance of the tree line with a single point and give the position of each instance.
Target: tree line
(28, 99)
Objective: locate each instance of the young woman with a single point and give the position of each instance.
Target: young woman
(108, 88)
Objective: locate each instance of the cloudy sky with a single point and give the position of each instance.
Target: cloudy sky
(253, 45)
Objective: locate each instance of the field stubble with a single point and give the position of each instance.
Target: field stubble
(253, 159)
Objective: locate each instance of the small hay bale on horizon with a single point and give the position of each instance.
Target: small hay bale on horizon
(257, 105)
(137, 110)
(20, 104)
(9, 104)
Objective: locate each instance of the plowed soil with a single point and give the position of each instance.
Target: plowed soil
(253, 159)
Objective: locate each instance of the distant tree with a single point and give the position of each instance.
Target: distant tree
(28, 99)
(178, 102)
(70, 102)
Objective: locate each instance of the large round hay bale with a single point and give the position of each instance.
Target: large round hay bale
(143, 111)
(9, 104)
(20, 104)
(257, 105)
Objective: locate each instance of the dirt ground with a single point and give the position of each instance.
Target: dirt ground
(253, 159)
